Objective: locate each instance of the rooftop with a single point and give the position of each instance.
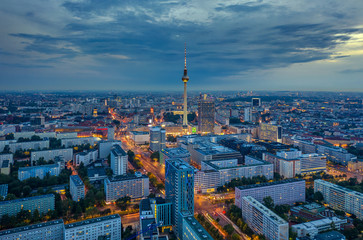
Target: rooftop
(333, 235)
(91, 221)
(27, 199)
(118, 151)
(347, 190)
(31, 227)
(178, 163)
(195, 225)
(125, 177)
(267, 212)
(292, 180)
(38, 167)
(139, 133)
(175, 152)
(77, 180)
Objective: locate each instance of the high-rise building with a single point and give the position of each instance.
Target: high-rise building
(3, 191)
(340, 198)
(52, 230)
(270, 132)
(276, 190)
(206, 115)
(179, 189)
(76, 188)
(185, 79)
(256, 102)
(263, 221)
(108, 227)
(157, 139)
(43, 203)
(118, 160)
(110, 133)
(192, 230)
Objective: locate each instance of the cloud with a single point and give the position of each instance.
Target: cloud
(224, 38)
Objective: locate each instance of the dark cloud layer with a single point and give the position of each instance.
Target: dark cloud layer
(140, 43)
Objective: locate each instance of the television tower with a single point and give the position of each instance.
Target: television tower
(185, 79)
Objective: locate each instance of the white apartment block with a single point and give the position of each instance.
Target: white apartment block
(35, 145)
(286, 191)
(92, 229)
(67, 154)
(314, 227)
(86, 157)
(70, 142)
(229, 169)
(340, 198)
(336, 154)
(206, 181)
(134, 186)
(263, 221)
(76, 188)
(52, 230)
(119, 160)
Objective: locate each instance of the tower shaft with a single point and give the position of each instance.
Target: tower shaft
(185, 107)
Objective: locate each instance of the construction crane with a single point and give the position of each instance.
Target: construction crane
(150, 228)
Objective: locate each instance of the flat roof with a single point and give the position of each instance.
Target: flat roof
(197, 227)
(267, 184)
(37, 167)
(91, 221)
(265, 210)
(125, 177)
(31, 227)
(179, 163)
(175, 152)
(77, 180)
(26, 199)
(117, 150)
(139, 132)
(340, 187)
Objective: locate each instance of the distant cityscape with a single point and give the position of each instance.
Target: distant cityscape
(227, 165)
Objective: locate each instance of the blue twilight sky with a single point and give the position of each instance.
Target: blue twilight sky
(139, 44)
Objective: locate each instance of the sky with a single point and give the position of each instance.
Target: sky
(297, 45)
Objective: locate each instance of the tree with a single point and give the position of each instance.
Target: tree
(318, 196)
(91, 211)
(36, 216)
(229, 229)
(26, 190)
(155, 156)
(235, 236)
(10, 196)
(268, 202)
(9, 136)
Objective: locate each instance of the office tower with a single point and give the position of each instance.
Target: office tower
(43, 203)
(179, 189)
(248, 114)
(185, 79)
(108, 227)
(76, 187)
(206, 115)
(256, 102)
(118, 160)
(276, 190)
(38, 171)
(157, 208)
(263, 221)
(157, 139)
(270, 132)
(340, 198)
(52, 230)
(132, 185)
(110, 133)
